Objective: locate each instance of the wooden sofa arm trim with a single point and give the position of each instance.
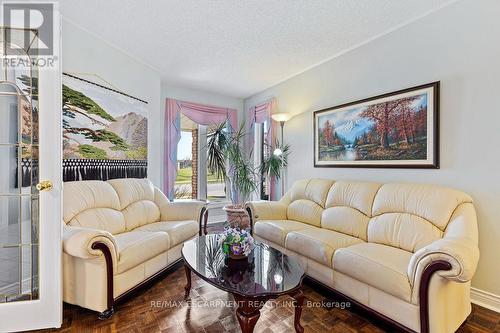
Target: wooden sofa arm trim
(249, 211)
(109, 277)
(423, 292)
(203, 221)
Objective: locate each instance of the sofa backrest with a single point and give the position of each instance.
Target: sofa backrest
(348, 207)
(116, 205)
(92, 204)
(410, 216)
(407, 216)
(307, 200)
(137, 201)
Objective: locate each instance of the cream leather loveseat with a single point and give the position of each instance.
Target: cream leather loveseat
(405, 251)
(117, 235)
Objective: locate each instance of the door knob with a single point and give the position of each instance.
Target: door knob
(44, 185)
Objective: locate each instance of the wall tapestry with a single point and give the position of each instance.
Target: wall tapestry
(395, 130)
(105, 132)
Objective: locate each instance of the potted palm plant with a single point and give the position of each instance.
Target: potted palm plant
(229, 163)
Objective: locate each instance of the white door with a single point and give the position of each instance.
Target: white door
(30, 219)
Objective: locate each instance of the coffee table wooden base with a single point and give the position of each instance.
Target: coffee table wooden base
(299, 297)
(187, 288)
(248, 311)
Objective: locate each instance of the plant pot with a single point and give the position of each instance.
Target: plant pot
(237, 216)
(237, 256)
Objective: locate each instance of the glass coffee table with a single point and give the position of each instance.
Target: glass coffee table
(264, 275)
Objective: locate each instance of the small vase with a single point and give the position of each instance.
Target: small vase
(237, 256)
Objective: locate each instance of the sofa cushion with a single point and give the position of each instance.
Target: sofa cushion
(136, 247)
(178, 231)
(131, 190)
(140, 213)
(314, 190)
(411, 216)
(348, 207)
(346, 220)
(136, 201)
(318, 244)
(356, 195)
(380, 266)
(106, 219)
(430, 202)
(305, 211)
(82, 195)
(92, 204)
(405, 231)
(276, 230)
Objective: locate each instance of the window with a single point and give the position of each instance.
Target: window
(261, 152)
(184, 180)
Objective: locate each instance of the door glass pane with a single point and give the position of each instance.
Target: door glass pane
(26, 265)
(32, 169)
(8, 119)
(35, 223)
(34, 119)
(19, 208)
(8, 169)
(26, 221)
(26, 121)
(29, 165)
(9, 275)
(9, 220)
(34, 271)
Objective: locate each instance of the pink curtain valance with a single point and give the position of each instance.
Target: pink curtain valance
(199, 113)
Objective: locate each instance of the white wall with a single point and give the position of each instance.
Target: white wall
(84, 52)
(457, 45)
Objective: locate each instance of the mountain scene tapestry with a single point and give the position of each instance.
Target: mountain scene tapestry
(104, 132)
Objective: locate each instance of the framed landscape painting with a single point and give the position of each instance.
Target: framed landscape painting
(395, 130)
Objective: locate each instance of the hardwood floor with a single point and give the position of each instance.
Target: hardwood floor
(162, 308)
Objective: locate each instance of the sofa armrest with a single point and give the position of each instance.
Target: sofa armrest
(179, 210)
(460, 253)
(266, 210)
(81, 242)
(182, 210)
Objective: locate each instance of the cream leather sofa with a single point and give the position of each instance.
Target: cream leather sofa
(117, 235)
(405, 251)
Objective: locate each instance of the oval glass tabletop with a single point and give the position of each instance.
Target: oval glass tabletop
(266, 271)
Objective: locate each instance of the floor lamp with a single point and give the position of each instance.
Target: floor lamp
(281, 117)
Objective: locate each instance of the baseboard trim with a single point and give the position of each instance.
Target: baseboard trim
(485, 299)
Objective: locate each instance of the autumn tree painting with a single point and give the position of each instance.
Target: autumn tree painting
(396, 115)
(391, 128)
(329, 136)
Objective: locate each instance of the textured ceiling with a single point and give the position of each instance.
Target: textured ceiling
(239, 48)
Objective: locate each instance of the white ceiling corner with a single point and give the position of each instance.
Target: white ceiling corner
(239, 48)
